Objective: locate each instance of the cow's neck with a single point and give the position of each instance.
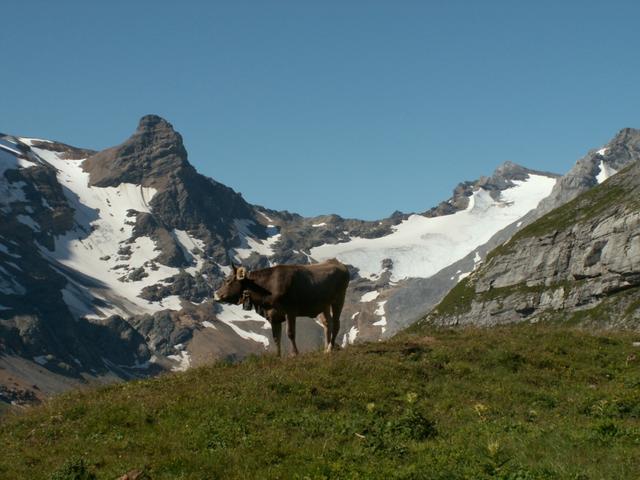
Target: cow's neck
(255, 285)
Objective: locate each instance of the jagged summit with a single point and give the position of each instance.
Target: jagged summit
(152, 155)
(508, 172)
(625, 147)
(154, 122)
(504, 176)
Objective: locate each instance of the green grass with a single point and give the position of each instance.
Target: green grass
(458, 300)
(519, 402)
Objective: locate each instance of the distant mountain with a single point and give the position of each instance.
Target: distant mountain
(580, 262)
(108, 259)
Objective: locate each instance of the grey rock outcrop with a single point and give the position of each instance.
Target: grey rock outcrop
(618, 153)
(579, 262)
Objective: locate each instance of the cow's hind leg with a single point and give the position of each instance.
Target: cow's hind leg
(327, 325)
(336, 311)
(291, 333)
(276, 330)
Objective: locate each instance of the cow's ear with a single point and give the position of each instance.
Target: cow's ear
(241, 273)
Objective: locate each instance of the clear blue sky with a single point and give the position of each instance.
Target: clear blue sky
(353, 107)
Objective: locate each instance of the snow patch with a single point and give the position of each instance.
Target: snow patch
(605, 172)
(269, 219)
(350, 337)
(233, 314)
(316, 225)
(183, 358)
(41, 360)
(10, 192)
(4, 249)
(369, 296)
(381, 313)
(249, 244)
(9, 285)
(31, 141)
(28, 221)
(189, 244)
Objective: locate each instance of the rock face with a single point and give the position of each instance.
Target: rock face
(593, 168)
(154, 156)
(151, 157)
(579, 262)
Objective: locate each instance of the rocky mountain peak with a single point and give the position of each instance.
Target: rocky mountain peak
(622, 150)
(502, 178)
(626, 135)
(508, 169)
(152, 155)
(504, 175)
(154, 122)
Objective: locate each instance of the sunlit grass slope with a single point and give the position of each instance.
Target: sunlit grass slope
(519, 402)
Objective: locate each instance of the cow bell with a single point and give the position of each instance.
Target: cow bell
(247, 304)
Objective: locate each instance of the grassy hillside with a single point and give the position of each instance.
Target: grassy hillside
(519, 402)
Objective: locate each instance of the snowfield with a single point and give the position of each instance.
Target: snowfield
(91, 247)
(369, 296)
(420, 247)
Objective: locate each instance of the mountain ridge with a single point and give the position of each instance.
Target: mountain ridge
(134, 263)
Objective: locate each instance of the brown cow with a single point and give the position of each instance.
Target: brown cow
(290, 291)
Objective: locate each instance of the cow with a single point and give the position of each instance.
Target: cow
(284, 292)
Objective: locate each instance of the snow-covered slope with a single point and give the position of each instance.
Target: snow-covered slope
(103, 228)
(421, 246)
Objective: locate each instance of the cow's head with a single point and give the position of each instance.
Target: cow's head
(233, 287)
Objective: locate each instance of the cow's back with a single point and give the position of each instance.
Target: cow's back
(307, 290)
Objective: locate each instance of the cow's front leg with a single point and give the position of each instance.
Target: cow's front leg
(291, 333)
(327, 325)
(276, 330)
